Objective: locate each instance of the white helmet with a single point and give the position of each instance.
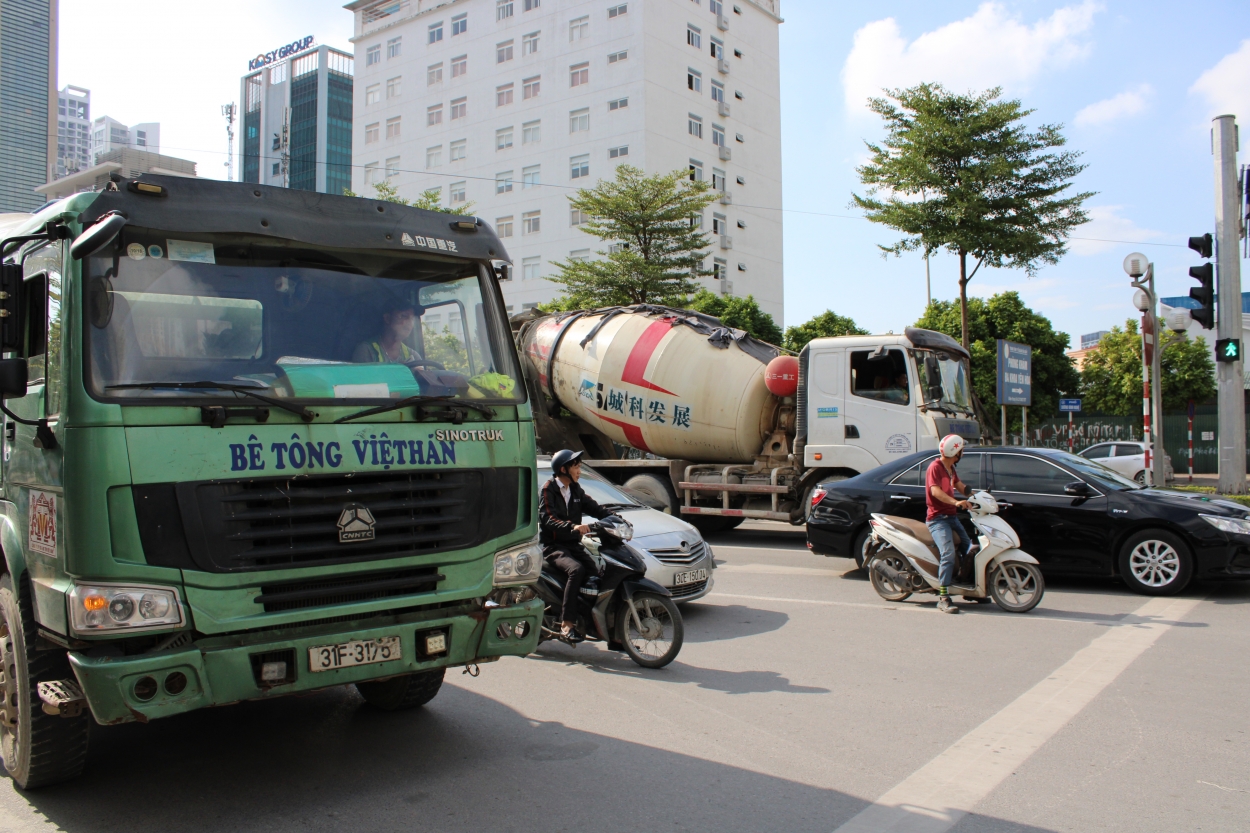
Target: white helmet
(951, 445)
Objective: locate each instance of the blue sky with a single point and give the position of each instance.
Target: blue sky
(1136, 84)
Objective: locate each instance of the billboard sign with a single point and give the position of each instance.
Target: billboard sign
(280, 54)
(1015, 373)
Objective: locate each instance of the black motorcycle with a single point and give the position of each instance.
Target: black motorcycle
(621, 606)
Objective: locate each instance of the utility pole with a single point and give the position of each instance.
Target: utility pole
(1156, 375)
(928, 292)
(1230, 381)
(229, 111)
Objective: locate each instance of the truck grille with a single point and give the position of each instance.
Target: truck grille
(347, 589)
(679, 557)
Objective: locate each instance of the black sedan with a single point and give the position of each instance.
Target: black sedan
(1074, 516)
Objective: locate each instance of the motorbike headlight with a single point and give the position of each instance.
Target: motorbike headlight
(999, 534)
(104, 607)
(1234, 526)
(518, 565)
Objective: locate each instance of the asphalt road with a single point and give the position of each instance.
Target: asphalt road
(800, 702)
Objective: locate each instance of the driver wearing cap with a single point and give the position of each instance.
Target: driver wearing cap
(561, 505)
(397, 325)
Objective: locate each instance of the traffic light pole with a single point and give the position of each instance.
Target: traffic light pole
(1231, 384)
(1158, 471)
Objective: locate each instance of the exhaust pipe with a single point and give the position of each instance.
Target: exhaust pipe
(896, 577)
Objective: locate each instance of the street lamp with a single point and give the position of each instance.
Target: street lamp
(1142, 272)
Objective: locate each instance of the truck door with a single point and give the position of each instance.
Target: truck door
(880, 414)
(824, 398)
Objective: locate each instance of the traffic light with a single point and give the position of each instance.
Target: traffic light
(1202, 245)
(1228, 350)
(1204, 293)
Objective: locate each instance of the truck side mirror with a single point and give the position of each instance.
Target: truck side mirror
(101, 234)
(12, 378)
(12, 308)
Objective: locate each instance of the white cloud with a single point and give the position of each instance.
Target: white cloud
(1107, 230)
(1226, 86)
(990, 48)
(1127, 103)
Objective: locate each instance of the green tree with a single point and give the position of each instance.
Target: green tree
(1111, 377)
(655, 247)
(826, 325)
(961, 173)
(431, 200)
(1006, 316)
(738, 313)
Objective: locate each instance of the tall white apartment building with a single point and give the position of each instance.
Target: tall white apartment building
(515, 104)
(108, 135)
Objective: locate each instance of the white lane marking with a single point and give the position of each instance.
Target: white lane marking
(715, 594)
(935, 797)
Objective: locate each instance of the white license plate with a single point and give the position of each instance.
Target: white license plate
(689, 577)
(356, 652)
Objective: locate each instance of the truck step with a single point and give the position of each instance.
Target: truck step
(62, 697)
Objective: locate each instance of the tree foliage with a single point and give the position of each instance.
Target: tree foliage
(826, 325)
(1006, 316)
(961, 173)
(431, 200)
(655, 246)
(738, 313)
(1111, 379)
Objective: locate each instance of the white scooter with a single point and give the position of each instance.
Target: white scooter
(903, 559)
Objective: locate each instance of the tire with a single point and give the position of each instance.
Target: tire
(410, 691)
(1140, 477)
(811, 487)
(1155, 562)
(859, 549)
(656, 487)
(658, 647)
(712, 524)
(1017, 587)
(38, 749)
(885, 588)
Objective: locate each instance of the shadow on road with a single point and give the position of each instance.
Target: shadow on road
(716, 623)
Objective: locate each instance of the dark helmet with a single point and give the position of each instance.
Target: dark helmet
(563, 459)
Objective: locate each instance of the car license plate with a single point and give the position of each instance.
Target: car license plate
(689, 577)
(356, 652)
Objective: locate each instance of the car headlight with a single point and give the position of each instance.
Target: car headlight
(105, 607)
(1235, 526)
(518, 565)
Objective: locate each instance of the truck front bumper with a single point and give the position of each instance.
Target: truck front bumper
(220, 670)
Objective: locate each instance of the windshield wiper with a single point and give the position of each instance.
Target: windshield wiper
(299, 410)
(457, 417)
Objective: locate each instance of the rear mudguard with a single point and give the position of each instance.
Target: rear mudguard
(1012, 555)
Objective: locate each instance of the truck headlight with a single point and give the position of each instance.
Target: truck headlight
(103, 607)
(518, 565)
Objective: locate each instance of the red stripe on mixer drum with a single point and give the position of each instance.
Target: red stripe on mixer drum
(633, 433)
(640, 356)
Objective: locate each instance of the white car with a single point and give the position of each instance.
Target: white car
(677, 557)
(1127, 459)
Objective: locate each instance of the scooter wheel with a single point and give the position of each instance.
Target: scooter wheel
(659, 640)
(1017, 587)
(885, 588)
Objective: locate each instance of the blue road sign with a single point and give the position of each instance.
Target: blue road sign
(1070, 406)
(1015, 373)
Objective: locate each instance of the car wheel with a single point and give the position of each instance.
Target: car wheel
(859, 550)
(1155, 562)
(1140, 477)
(652, 486)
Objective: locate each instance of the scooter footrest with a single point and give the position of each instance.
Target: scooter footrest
(62, 698)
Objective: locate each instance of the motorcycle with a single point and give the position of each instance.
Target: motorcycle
(620, 606)
(903, 559)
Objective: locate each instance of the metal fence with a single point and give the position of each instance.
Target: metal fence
(1087, 431)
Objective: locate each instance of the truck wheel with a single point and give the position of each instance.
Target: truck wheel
(712, 524)
(399, 693)
(39, 749)
(655, 487)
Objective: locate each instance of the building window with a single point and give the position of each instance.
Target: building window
(277, 168)
(579, 28)
(530, 87)
(392, 167)
(531, 132)
(718, 91)
(394, 46)
(578, 217)
(694, 36)
(614, 153)
(372, 132)
(458, 149)
(503, 95)
(393, 130)
(503, 138)
(459, 106)
(433, 115)
(530, 267)
(503, 9)
(529, 44)
(373, 93)
(503, 226)
(434, 156)
(456, 192)
(618, 104)
(460, 24)
(694, 125)
(720, 270)
(579, 166)
(503, 52)
(616, 57)
(694, 80)
(696, 170)
(738, 95)
(579, 256)
(617, 11)
(742, 267)
(742, 180)
(738, 138)
(531, 222)
(530, 5)
(503, 182)
(718, 179)
(371, 173)
(395, 85)
(531, 176)
(696, 221)
(718, 224)
(716, 7)
(718, 135)
(459, 66)
(742, 224)
(436, 32)
(434, 75)
(579, 120)
(718, 49)
(579, 74)
(373, 55)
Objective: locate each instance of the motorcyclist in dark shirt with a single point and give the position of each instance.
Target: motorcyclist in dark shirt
(561, 505)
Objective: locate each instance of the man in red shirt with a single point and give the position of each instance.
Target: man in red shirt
(941, 483)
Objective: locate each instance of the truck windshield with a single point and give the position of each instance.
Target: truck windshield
(291, 321)
(944, 380)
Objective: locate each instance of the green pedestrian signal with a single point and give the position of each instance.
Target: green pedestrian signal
(1228, 350)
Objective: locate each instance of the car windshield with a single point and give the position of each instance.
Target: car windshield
(291, 320)
(599, 490)
(1097, 472)
(944, 380)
